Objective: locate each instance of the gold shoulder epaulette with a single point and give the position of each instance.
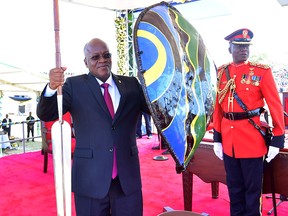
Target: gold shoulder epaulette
(223, 66)
(264, 66)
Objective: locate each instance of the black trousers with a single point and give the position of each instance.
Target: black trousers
(30, 129)
(8, 130)
(116, 203)
(244, 182)
(148, 125)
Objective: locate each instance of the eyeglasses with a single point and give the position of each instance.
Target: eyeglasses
(104, 56)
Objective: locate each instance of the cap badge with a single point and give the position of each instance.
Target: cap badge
(245, 33)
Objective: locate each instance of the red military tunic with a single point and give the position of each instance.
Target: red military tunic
(254, 83)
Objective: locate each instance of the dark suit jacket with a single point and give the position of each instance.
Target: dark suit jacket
(96, 133)
(4, 123)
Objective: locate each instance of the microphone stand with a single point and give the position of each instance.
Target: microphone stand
(160, 157)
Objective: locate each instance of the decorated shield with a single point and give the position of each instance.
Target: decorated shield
(178, 78)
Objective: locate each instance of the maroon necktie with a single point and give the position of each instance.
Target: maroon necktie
(108, 99)
(109, 104)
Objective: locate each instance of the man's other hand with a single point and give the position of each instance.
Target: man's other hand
(218, 150)
(272, 152)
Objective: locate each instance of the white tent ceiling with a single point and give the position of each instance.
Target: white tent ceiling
(27, 32)
(27, 37)
(15, 79)
(120, 4)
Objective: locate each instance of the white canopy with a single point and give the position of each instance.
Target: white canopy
(120, 4)
(27, 34)
(27, 37)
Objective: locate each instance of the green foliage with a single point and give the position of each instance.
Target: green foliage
(120, 25)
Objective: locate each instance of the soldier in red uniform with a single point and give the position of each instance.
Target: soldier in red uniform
(234, 135)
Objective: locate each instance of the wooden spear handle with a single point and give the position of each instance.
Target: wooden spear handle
(57, 40)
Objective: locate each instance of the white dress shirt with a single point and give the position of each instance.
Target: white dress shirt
(113, 91)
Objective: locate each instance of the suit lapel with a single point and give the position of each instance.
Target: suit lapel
(123, 92)
(96, 91)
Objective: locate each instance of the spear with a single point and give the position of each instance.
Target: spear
(61, 139)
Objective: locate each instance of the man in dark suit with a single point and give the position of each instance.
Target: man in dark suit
(30, 126)
(99, 134)
(6, 125)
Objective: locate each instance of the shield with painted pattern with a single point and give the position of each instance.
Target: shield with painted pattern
(178, 78)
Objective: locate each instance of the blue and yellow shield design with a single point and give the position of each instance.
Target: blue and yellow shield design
(178, 78)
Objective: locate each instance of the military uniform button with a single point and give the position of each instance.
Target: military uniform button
(111, 149)
(232, 127)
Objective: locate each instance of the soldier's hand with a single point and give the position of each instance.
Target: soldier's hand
(272, 152)
(56, 77)
(218, 150)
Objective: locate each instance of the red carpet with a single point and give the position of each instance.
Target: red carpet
(26, 190)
